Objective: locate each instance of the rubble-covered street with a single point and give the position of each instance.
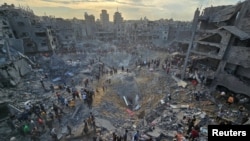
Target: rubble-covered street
(128, 94)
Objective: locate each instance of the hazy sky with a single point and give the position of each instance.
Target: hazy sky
(130, 9)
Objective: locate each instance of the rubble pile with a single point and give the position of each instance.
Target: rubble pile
(133, 93)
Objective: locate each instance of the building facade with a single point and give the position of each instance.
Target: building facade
(222, 39)
(104, 18)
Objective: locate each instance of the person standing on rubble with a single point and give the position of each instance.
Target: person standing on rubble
(49, 123)
(90, 99)
(194, 134)
(58, 95)
(69, 130)
(42, 83)
(55, 108)
(191, 123)
(125, 136)
(66, 102)
(136, 136)
(114, 136)
(52, 89)
(86, 82)
(72, 82)
(85, 128)
(68, 89)
(35, 134)
(84, 96)
(41, 123)
(42, 107)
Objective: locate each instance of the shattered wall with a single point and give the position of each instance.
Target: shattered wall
(233, 83)
(240, 56)
(11, 74)
(243, 72)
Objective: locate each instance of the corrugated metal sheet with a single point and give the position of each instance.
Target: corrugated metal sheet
(236, 31)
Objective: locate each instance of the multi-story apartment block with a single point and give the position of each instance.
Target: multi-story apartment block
(26, 26)
(222, 36)
(104, 19)
(90, 25)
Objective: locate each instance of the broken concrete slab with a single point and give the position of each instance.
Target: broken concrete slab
(180, 82)
(179, 106)
(76, 111)
(184, 106)
(155, 133)
(104, 124)
(155, 121)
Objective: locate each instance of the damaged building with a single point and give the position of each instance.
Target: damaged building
(222, 40)
(13, 64)
(25, 26)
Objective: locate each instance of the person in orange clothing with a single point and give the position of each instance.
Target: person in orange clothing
(230, 100)
(179, 136)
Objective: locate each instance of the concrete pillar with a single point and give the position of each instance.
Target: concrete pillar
(194, 28)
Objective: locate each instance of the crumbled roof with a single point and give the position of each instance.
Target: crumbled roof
(236, 31)
(225, 14)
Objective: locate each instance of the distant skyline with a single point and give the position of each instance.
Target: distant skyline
(131, 9)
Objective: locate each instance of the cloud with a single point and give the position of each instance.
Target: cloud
(130, 9)
(56, 1)
(62, 12)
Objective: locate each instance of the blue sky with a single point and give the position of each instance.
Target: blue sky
(130, 9)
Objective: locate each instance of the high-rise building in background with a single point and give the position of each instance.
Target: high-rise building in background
(118, 19)
(90, 25)
(104, 18)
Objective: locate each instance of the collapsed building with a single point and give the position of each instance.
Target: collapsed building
(13, 63)
(21, 34)
(33, 36)
(222, 39)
